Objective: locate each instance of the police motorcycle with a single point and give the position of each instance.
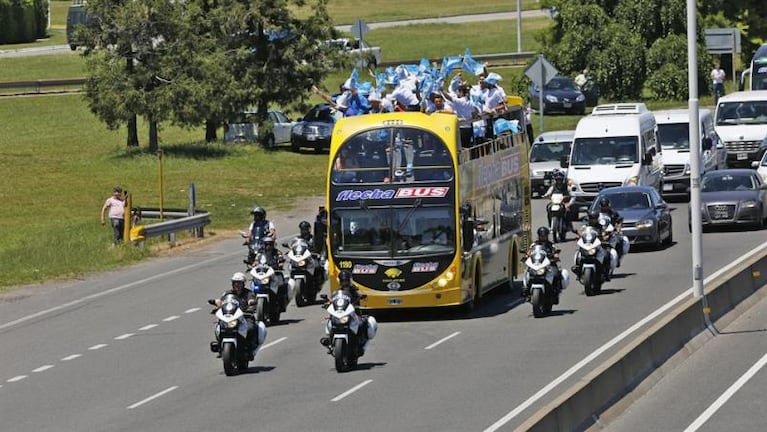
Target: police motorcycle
(539, 280)
(556, 212)
(255, 245)
(619, 243)
(231, 331)
(306, 273)
(270, 288)
(590, 263)
(347, 333)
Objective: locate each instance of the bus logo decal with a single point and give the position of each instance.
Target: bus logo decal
(394, 286)
(365, 269)
(393, 272)
(422, 192)
(354, 195)
(425, 267)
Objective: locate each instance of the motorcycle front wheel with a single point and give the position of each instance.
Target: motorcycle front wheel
(340, 353)
(555, 229)
(261, 309)
(589, 284)
(228, 356)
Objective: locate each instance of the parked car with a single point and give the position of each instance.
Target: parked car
(546, 155)
(646, 217)
(244, 128)
(315, 129)
(732, 197)
(560, 94)
(761, 167)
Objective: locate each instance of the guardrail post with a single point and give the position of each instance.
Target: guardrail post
(197, 232)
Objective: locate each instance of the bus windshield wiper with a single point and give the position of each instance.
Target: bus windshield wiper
(410, 212)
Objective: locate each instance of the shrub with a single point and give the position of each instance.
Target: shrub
(668, 82)
(619, 67)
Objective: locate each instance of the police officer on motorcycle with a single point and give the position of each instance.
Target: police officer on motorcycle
(592, 220)
(247, 304)
(617, 220)
(552, 253)
(274, 257)
(260, 227)
(559, 186)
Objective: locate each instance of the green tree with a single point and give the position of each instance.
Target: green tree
(748, 15)
(619, 67)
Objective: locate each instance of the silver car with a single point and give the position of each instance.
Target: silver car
(244, 128)
(546, 155)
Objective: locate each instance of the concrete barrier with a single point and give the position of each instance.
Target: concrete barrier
(639, 364)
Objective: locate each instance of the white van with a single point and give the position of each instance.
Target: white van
(616, 145)
(545, 156)
(674, 137)
(741, 123)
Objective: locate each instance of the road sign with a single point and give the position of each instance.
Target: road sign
(541, 71)
(359, 29)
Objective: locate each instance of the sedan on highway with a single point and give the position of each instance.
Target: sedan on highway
(646, 217)
(761, 167)
(560, 94)
(314, 129)
(732, 197)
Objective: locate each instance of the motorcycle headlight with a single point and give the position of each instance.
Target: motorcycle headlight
(645, 223)
(591, 251)
(748, 204)
(344, 319)
(264, 281)
(541, 271)
(302, 263)
(232, 324)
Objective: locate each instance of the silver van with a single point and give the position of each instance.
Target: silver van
(674, 137)
(545, 155)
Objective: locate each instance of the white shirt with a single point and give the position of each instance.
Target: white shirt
(718, 76)
(463, 108)
(493, 99)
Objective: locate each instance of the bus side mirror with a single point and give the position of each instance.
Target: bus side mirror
(707, 144)
(564, 161)
(467, 230)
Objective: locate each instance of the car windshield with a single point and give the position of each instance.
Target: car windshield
(629, 200)
(560, 84)
(741, 113)
(549, 151)
(319, 115)
(605, 151)
(393, 232)
(674, 136)
(727, 183)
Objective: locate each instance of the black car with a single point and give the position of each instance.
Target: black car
(646, 217)
(315, 129)
(732, 197)
(560, 94)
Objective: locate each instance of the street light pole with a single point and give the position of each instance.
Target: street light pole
(694, 139)
(519, 26)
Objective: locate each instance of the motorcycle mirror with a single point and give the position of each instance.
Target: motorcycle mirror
(211, 302)
(285, 245)
(243, 234)
(324, 297)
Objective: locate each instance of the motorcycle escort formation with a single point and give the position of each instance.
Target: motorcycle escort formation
(233, 342)
(306, 272)
(347, 333)
(541, 282)
(271, 290)
(590, 261)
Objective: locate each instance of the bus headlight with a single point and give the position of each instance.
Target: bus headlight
(442, 282)
(449, 276)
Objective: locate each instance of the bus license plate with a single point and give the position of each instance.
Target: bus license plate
(742, 156)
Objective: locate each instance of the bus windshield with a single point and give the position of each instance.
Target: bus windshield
(392, 154)
(387, 232)
(605, 151)
(741, 113)
(674, 136)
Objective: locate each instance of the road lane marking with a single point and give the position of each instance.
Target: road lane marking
(171, 318)
(273, 343)
(191, 310)
(688, 292)
(153, 397)
(125, 336)
(42, 368)
(148, 326)
(71, 357)
(727, 395)
(442, 340)
(124, 287)
(351, 390)
(97, 347)
(17, 378)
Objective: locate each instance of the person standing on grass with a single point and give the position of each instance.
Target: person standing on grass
(115, 204)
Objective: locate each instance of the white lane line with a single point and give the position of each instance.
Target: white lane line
(153, 397)
(542, 392)
(148, 326)
(726, 395)
(71, 357)
(351, 390)
(17, 378)
(442, 340)
(42, 368)
(273, 343)
(171, 318)
(96, 347)
(191, 310)
(124, 336)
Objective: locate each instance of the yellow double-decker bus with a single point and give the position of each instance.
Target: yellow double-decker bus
(419, 220)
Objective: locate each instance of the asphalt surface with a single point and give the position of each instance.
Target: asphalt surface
(719, 387)
(128, 350)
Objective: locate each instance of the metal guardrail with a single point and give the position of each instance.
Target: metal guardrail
(179, 220)
(38, 85)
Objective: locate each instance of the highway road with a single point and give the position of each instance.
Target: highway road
(128, 350)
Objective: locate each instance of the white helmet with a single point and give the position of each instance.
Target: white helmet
(239, 277)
